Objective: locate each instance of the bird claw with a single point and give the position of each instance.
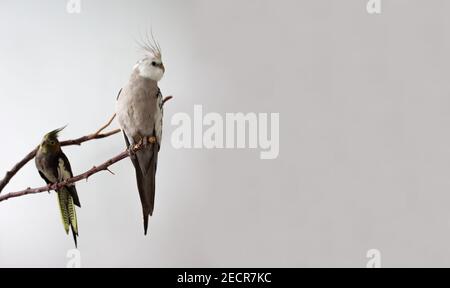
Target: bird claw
(139, 143)
(131, 150)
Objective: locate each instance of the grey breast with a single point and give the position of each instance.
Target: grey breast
(140, 97)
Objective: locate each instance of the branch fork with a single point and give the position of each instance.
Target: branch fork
(84, 176)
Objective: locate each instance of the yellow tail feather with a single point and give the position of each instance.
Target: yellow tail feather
(68, 213)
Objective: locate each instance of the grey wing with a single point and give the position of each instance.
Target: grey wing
(118, 95)
(159, 120)
(133, 157)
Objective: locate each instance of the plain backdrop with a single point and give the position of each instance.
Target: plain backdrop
(364, 105)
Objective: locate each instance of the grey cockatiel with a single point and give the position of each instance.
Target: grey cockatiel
(54, 167)
(139, 110)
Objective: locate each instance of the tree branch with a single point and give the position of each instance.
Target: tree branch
(53, 187)
(11, 173)
(97, 135)
(106, 125)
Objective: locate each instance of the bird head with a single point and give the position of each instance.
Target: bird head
(151, 66)
(50, 142)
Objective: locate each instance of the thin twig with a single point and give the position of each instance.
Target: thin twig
(106, 125)
(167, 99)
(83, 139)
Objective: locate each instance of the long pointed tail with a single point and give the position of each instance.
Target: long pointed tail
(147, 194)
(75, 235)
(68, 213)
(146, 182)
(145, 163)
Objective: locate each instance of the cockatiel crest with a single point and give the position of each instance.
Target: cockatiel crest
(50, 141)
(151, 66)
(153, 49)
(54, 134)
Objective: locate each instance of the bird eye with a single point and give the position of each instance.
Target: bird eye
(52, 143)
(153, 63)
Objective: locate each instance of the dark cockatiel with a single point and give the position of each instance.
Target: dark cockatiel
(54, 167)
(140, 111)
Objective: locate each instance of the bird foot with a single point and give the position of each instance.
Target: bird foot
(143, 142)
(139, 143)
(131, 149)
(152, 140)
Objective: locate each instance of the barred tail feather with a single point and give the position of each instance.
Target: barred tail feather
(63, 207)
(73, 220)
(68, 213)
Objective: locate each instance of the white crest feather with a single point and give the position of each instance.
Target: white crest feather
(151, 46)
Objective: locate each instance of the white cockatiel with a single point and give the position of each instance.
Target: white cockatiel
(140, 113)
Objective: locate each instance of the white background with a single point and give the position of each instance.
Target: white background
(365, 118)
